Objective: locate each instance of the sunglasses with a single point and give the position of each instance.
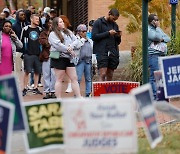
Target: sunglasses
(84, 31)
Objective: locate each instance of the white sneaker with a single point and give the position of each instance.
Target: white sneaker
(29, 87)
(40, 85)
(32, 85)
(69, 89)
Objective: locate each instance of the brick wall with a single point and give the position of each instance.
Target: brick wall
(2, 5)
(98, 8)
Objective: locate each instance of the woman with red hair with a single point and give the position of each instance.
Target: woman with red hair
(68, 25)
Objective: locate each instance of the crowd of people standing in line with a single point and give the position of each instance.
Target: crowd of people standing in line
(32, 38)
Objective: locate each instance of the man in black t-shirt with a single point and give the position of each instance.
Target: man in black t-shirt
(31, 50)
(106, 37)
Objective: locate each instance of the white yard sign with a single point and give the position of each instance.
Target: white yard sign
(100, 125)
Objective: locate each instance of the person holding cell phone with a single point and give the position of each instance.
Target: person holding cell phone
(106, 36)
(157, 47)
(8, 44)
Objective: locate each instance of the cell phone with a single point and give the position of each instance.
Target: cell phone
(118, 31)
(153, 23)
(10, 32)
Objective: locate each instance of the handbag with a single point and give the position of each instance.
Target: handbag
(54, 54)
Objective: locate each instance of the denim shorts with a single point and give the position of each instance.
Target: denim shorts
(32, 62)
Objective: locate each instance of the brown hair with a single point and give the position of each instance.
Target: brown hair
(66, 21)
(57, 31)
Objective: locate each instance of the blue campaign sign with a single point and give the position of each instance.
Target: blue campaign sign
(173, 1)
(9, 92)
(6, 125)
(171, 75)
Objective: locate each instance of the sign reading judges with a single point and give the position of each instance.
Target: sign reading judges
(170, 66)
(109, 87)
(44, 124)
(100, 125)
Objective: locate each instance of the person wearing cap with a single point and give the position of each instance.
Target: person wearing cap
(46, 14)
(7, 14)
(53, 13)
(106, 37)
(84, 56)
(47, 10)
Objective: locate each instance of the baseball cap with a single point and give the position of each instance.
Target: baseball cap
(91, 23)
(47, 9)
(53, 10)
(81, 27)
(6, 10)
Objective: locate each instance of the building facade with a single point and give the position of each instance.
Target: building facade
(82, 11)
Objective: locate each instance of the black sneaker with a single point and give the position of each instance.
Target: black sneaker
(47, 96)
(36, 91)
(88, 95)
(24, 92)
(53, 95)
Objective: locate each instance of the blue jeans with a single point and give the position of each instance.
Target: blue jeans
(85, 68)
(153, 66)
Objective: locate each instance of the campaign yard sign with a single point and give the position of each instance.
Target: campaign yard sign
(159, 86)
(144, 99)
(170, 66)
(43, 123)
(9, 92)
(168, 109)
(110, 87)
(173, 2)
(100, 125)
(6, 125)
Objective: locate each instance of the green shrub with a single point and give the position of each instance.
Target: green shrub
(174, 46)
(133, 70)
